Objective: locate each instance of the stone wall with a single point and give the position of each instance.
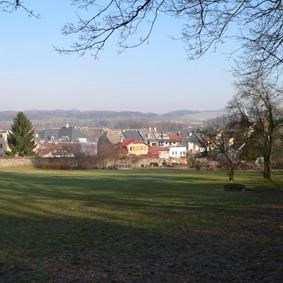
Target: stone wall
(128, 163)
(16, 162)
(48, 163)
(92, 162)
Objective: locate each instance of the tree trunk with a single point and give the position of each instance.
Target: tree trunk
(267, 158)
(231, 174)
(267, 168)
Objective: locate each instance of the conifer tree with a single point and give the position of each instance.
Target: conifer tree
(21, 136)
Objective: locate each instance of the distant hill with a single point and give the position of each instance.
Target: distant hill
(57, 118)
(76, 114)
(188, 115)
(177, 114)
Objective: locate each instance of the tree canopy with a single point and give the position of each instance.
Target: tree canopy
(21, 136)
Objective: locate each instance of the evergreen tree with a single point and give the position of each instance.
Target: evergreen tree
(21, 136)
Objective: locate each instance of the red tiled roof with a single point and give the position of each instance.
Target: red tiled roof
(175, 137)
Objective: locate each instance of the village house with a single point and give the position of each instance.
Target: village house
(177, 152)
(153, 137)
(66, 149)
(134, 143)
(136, 148)
(48, 135)
(64, 134)
(150, 136)
(64, 142)
(178, 155)
(132, 135)
(4, 146)
(71, 134)
(114, 143)
(174, 139)
(59, 150)
(158, 152)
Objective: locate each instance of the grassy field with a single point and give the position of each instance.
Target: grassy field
(139, 226)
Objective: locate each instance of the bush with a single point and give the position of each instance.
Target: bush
(56, 163)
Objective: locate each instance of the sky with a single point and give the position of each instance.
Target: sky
(156, 77)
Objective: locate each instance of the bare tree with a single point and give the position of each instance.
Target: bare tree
(206, 23)
(257, 101)
(13, 5)
(10, 4)
(226, 140)
(229, 141)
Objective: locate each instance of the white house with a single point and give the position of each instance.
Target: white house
(4, 147)
(177, 152)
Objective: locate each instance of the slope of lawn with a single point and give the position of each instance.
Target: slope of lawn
(139, 226)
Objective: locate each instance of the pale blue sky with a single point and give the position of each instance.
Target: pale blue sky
(156, 77)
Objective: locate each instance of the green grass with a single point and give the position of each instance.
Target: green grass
(139, 226)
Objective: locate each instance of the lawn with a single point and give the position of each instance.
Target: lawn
(139, 226)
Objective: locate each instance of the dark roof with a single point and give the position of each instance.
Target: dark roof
(152, 134)
(71, 133)
(47, 134)
(132, 135)
(193, 139)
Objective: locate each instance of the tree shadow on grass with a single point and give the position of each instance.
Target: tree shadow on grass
(83, 250)
(142, 200)
(135, 229)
